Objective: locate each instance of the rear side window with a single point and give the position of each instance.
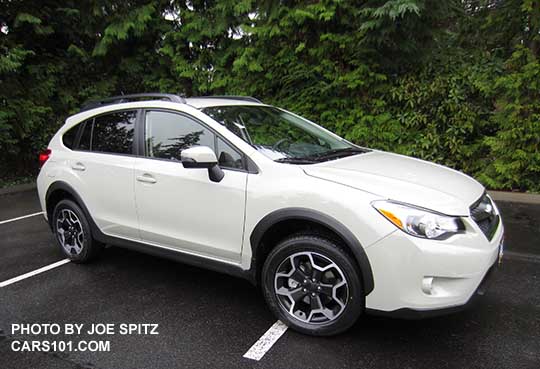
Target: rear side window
(68, 139)
(109, 133)
(167, 134)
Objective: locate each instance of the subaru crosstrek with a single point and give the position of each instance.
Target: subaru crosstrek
(326, 228)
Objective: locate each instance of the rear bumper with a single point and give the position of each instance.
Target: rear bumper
(414, 314)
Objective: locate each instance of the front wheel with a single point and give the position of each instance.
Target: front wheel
(312, 284)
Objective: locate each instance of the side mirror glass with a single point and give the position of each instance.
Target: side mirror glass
(202, 157)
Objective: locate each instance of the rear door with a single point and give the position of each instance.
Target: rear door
(103, 163)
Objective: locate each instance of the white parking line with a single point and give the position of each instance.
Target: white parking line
(524, 256)
(267, 340)
(34, 272)
(19, 218)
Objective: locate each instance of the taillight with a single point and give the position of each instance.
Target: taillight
(44, 156)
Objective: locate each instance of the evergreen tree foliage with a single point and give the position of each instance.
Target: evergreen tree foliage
(456, 82)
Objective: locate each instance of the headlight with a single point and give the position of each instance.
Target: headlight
(419, 222)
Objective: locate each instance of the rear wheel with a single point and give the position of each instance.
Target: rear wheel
(313, 285)
(73, 233)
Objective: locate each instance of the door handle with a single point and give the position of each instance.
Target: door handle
(78, 166)
(146, 178)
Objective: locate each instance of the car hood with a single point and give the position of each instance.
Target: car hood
(404, 179)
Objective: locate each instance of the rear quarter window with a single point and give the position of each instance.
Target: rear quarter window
(69, 137)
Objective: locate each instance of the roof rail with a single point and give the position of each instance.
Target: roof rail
(230, 97)
(133, 97)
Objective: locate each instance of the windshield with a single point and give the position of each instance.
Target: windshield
(280, 135)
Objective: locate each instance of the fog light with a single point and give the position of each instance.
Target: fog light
(427, 285)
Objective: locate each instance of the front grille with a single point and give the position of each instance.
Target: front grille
(483, 213)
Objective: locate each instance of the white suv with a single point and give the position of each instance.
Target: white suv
(328, 229)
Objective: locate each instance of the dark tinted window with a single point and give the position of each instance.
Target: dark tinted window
(86, 136)
(113, 132)
(70, 136)
(167, 134)
(227, 156)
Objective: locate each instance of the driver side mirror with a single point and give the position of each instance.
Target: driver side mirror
(202, 157)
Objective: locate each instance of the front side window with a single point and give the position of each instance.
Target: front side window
(280, 135)
(167, 134)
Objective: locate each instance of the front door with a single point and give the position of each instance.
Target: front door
(180, 207)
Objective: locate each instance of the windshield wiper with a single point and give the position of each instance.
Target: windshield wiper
(296, 160)
(336, 153)
(327, 155)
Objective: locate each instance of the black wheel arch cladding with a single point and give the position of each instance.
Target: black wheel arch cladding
(257, 234)
(324, 220)
(64, 187)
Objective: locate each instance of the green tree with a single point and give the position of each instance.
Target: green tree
(515, 149)
(449, 81)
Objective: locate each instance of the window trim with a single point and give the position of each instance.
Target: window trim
(81, 131)
(138, 149)
(142, 137)
(92, 119)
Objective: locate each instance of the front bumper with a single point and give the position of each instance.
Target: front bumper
(412, 314)
(457, 270)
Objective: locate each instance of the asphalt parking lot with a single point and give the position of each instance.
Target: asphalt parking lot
(208, 319)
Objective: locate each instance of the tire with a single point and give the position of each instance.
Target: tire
(78, 245)
(297, 300)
